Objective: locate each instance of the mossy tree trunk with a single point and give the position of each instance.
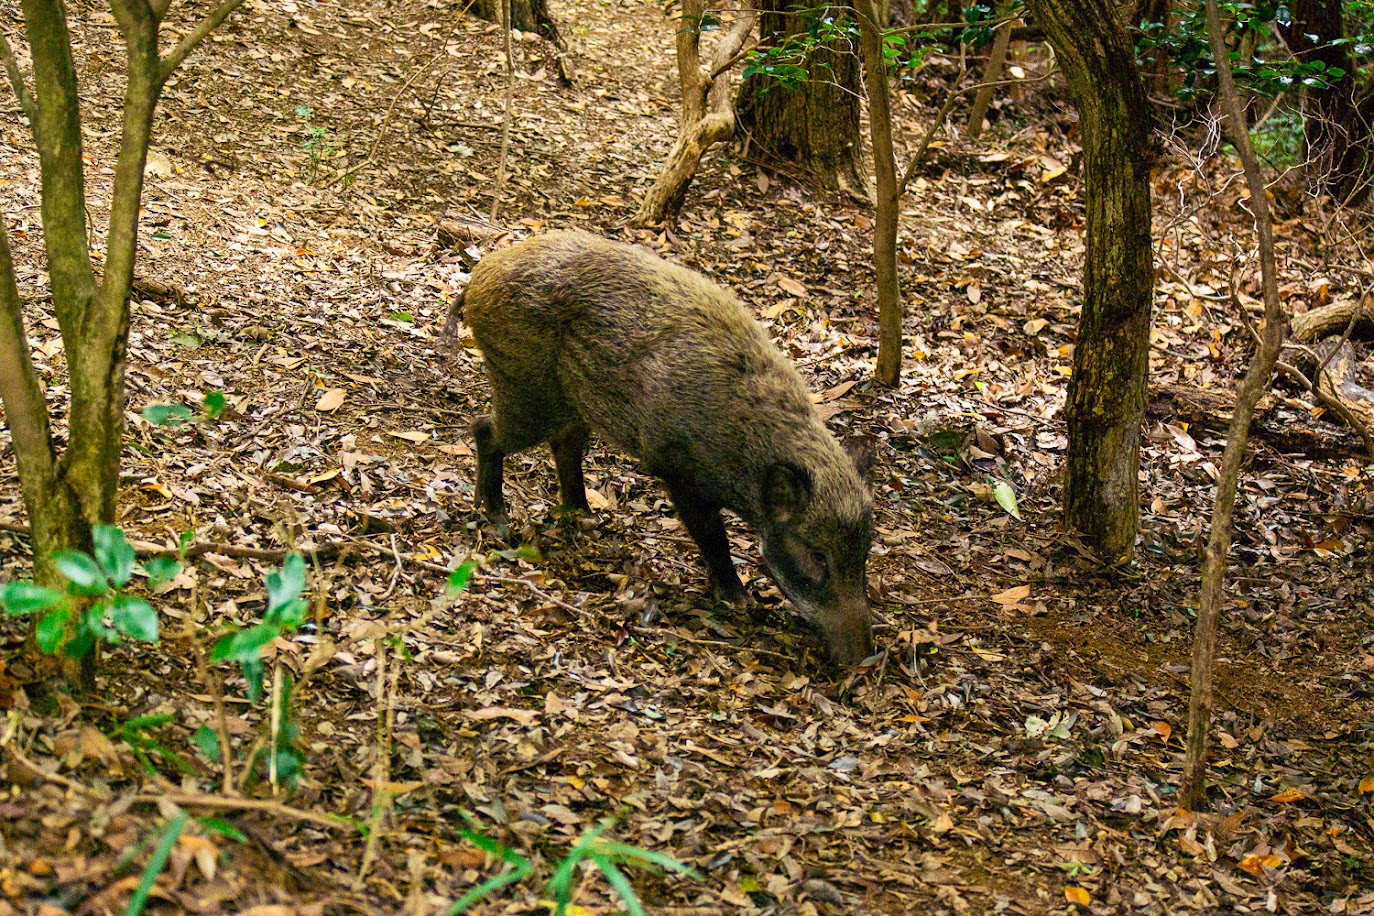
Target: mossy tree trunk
(811, 125)
(1106, 401)
(67, 493)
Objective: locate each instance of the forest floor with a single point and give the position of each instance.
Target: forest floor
(1017, 748)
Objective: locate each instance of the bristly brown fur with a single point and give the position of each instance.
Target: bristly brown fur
(579, 332)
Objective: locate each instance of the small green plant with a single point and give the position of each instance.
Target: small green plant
(607, 855)
(285, 612)
(157, 864)
(95, 591)
(207, 412)
(317, 145)
(137, 734)
(167, 839)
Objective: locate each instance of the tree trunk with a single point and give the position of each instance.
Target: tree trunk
(1257, 378)
(872, 23)
(997, 57)
(1339, 119)
(528, 16)
(707, 112)
(1106, 400)
(813, 126)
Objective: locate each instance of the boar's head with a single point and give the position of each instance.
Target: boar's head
(815, 536)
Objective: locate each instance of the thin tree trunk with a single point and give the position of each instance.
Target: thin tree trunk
(872, 24)
(707, 111)
(1251, 389)
(997, 57)
(47, 498)
(1106, 402)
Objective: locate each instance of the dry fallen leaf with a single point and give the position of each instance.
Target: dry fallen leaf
(1288, 795)
(791, 287)
(330, 400)
(1077, 895)
(1163, 729)
(1012, 597)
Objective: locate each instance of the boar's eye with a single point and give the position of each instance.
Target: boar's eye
(820, 565)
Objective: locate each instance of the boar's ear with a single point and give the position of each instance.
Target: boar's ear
(786, 491)
(862, 455)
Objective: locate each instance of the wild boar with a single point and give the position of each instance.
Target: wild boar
(581, 334)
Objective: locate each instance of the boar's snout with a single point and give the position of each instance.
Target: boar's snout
(848, 633)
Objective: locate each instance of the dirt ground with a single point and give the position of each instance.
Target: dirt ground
(1017, 748)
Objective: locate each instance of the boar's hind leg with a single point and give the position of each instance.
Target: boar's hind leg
(568, 448)
(490, 469)
(706, 527)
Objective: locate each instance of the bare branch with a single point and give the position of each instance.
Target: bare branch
(505, 115)
(21, 90)
(191, 39)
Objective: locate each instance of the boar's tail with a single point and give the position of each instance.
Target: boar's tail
(455, 316)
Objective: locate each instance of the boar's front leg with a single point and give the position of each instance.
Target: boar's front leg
(706, 527)
(568, 448)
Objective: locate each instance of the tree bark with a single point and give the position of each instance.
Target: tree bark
(1338, 119)
(1106, 399)
(707, 112)
(872, 24)
(812, 127)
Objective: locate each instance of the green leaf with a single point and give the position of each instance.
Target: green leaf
(245, 645)
(620, 885)
(1006, 498)
(222, 827)
(214, 404)
(82, 571)
(623, 853)
(520, 867)
(135, 618)
(167, 414)
(188, 339)
(51, 628)
(161, 570)
(252, 673)
(402, 316)
(186, 540)
(285, 585)
(114, 554)
(460, 577)
(19, 598)
(560, 885)
(170, 834)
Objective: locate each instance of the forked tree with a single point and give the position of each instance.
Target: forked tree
(69, 491)
(1111, 360)
(708, 115)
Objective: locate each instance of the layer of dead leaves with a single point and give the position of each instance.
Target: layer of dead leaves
(1016, 748)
